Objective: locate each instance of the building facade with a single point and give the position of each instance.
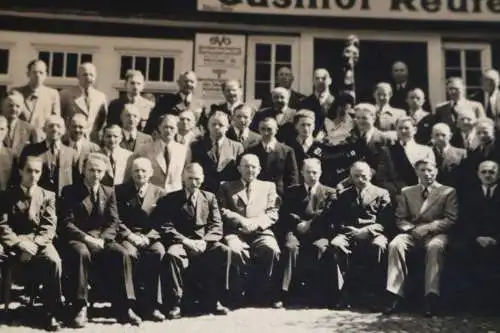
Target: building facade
(249, 40)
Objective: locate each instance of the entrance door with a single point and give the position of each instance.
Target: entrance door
(374, 65)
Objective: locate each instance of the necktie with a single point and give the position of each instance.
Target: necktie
(248, 190)
(425, 193)
(186, 101)
(140, 196)
(87, 99)
(216, 152)
(167, 156)
(113, 163)
(439, 156)
(489, 192)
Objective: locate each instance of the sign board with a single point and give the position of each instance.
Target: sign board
(218, 57)
(442, 10)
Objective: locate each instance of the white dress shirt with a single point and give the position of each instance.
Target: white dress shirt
(270, 146)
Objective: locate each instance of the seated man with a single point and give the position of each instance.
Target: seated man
(249, 208)
(136, 200)
(304, 236)
(424, 214)
(193, 233)
(91, 222)
(360, 217)
(27, 228)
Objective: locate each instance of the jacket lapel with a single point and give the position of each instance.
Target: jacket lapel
(201, 206)
(35, 204)
(79, 99)
(102, 199)
(87, 201)
(148, 201)
(431, 199)
(241, 193)
(160, 159)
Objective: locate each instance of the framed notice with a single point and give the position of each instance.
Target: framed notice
(218, 57)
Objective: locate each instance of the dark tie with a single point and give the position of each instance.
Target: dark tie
(248, 190)
(439, 156)
(489, 109)
(113, 163)
(216, 152)
(489, 192)
(87, 99)
(186, 101)
(167, 156)
(425, 193)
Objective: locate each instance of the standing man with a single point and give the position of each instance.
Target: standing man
(27, 228)
(87, 100)
(91, 223)
(490, 83)
(133, 139)
(401, 86)
(423, 118)
(424, 215)
(7, 159)
(386, 114)
(119, 157)
(40, 101)
(284, 79)
(240, 127)
(233, 95)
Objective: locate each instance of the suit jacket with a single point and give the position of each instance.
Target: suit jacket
(445, 113)
(48, 103)
(450, 166)
(439, 210)
(278, 166)
(8, 169)
(371, 149)
(123, 159)
(81, 218)
(216, 171)
(293, 102)
(21, 217)
(286, 129)
(67, 166)
(399, 96)
(492, 110)
(173, 104)
(203, 221)
(73, 101)
(262, 206)
(457, 140)
(22, 134)
(136, 217)
(296, 203)
(252, 138)
(387, 118)
(142, 140)
(301, 155)
(116, 107)
(86, 148)
(168, 177)
(395, 171)
(311, 102)
(424, 129)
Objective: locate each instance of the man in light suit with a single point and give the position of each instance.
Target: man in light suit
(396, 170)
(133, 139)
(40, 101)
(20, 133)
(424, 214)
(59, 160)
(249, 208)
(447, 112)
(167, 156)
(386, 115)
(490, 83)
(8, 165)
(136, 200)
(119, 158)
(240, 127)
(27, 228)
(193, 233)
(85, 99)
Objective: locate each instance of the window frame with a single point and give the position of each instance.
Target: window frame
(6, 78)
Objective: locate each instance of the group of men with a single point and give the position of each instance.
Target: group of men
(153, 205)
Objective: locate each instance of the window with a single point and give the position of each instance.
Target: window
(154, 69)
(467, 61)
(4, 61)
(63, 64)
(266, 55)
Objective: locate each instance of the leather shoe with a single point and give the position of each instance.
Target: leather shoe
(157, 316)
(174, 313)
(81, 318)
(393, 305)
(52, 324)
(431, 305)
(277, 305)
(130, 317)
(220, 310)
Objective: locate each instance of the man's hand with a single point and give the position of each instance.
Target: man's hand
(145, 240)
(342, 243)
(94, 242)
(28, 247)
(295, 217)
(358, 233)
(485, 241)
(381, 242)
(239, 247)
(189, 243)
(304, 227)
(200, 245)
(248, 227)
(135, 239)
(420, 232)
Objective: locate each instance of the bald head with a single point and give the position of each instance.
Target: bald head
(142, 170)
(399, 72)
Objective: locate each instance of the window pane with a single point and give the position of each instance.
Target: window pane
(140, 64)
(154, 69)
(262, 72)
(263, 52)
(4, 61)
(122, 94)
(125, 65)
(168, 70)
(280, 65)
(473, 77)
(71, 64)
(262, 90)
(452, 58)
(3, 92)
(85, 57)
(45, 56)
(473, 59)
(452, 72)
(57, 69)
(283, 53)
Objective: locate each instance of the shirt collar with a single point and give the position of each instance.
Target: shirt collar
(271, 145)
(142, 190)
(409, 144)
(28, 191)
(308, 141)
(194, 194)
(485, 187)
(93, 189)
(243, 133)
(127, 135)
(312, 190)
(219, 141)
(186, 97)
(57, 145)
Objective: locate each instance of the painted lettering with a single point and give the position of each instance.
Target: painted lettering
(396, 5)
(431, 6)
(231, 2)
(345, 4)
(365, 5)
(313, 4)
(457, 6)
(282, 3)
(258, 3)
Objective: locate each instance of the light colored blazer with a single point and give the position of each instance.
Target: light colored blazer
(439, 210)
(23, 134)
(123, 159)
(386, 118)
(167, 177)
(73, 101)
(48, 103)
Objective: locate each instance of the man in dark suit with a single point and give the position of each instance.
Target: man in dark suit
(136, 201)
(240, 127)
(8, 163)
(176, 103)
(91, 222)
(233, 95)
(360, 218)
(449, 159)
(59, 167)
(193, 233)
(27, 228)
(464, 136)
(277, 160)
(401, 86)
(423, 118)
(133, 139)
(284, 79)
(305, 237)
(216, 153)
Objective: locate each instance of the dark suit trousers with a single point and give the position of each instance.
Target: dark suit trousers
(185, 269)
(147, 263)
(112, 266)
(484, 268)
(46, 268)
